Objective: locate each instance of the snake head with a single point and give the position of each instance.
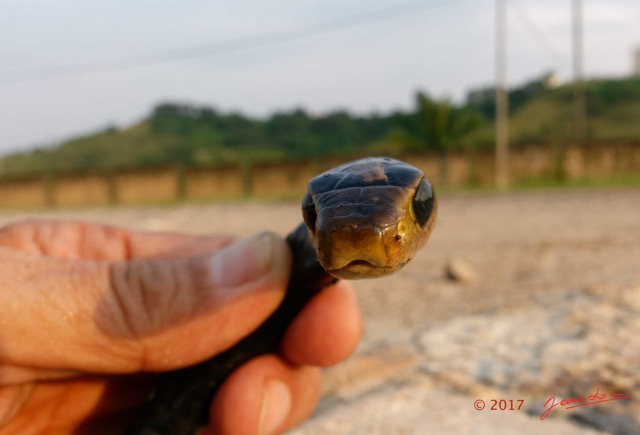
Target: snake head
(369, 217)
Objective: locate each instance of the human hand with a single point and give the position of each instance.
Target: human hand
(88, 311)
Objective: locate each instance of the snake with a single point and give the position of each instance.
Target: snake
(363, 219)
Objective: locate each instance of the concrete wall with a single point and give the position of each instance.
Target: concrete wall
(289, 179)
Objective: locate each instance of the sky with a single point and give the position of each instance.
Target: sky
(71, 67)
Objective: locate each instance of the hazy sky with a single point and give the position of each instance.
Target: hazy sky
(374, 61)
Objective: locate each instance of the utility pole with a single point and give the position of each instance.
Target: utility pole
(502, 101)
(579, 99)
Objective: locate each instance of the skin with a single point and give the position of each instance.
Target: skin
(89, 312)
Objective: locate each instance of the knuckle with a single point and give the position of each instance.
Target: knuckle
(142, 296)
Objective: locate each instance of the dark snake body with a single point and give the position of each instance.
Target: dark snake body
(369, 202)
(180, 399)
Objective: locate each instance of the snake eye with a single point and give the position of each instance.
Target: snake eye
(423, 202)
(309, 212)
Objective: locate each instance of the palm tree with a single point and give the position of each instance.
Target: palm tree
(436, 125)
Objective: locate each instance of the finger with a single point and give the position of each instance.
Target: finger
(13, 399)
(82, 240)
(264, 396)
(137, 315)
(89, 405)
(327, 330)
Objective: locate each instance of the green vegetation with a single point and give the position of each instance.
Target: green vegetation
(190, 135)
(613, 111)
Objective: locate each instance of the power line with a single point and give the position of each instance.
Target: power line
(536, 33)
(220, 47)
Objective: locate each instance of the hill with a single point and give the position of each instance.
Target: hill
(190, 135)
(542, 116)
(193, 135)
(613, 111)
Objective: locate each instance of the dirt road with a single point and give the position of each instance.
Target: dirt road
(552, 309)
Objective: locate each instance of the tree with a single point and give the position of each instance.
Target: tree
(291, 132)
(436, 125)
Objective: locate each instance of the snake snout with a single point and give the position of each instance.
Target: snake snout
(356, 250)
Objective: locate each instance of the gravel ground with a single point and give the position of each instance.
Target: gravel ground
(550, 308)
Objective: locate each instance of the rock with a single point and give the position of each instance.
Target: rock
(460, 270)
(416, 409)
(569, 349)
(600, 419)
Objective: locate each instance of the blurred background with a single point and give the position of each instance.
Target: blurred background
(106, 94)
(525, 114)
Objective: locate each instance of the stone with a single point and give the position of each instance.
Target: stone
(459, 270)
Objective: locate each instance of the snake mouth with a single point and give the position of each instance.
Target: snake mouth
(360, 263)
(359, 269)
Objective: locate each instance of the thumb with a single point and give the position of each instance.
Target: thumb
(178, 312)
(142, 314)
